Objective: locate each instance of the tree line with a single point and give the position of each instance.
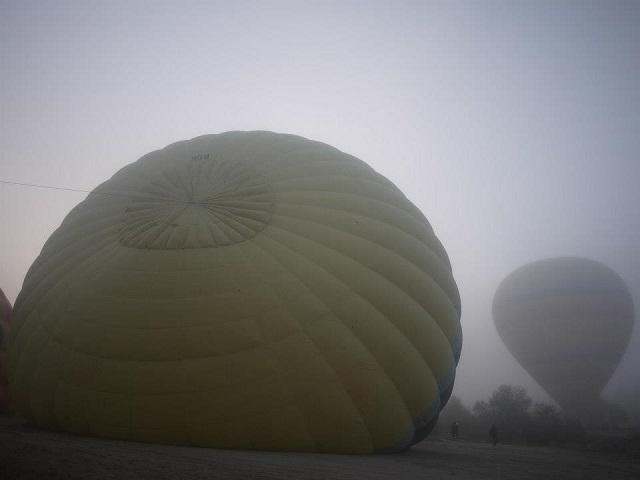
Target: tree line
(518, 419)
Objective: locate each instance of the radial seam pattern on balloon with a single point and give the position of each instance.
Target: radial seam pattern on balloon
(381, 245)
(443, 292)
(182, 252)
(294, 161)
(331, 366)
(115, 246)
(143, 226)
(387, 185)
(378, 245)
(426, 365)
(302, 329)
(414, 214)
(311, 204)
(394, 285)
(232, 208)
(384, 186)
(129, 195)
(369, 198)
(426, 274)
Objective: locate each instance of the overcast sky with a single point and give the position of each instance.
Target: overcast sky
(513, 125)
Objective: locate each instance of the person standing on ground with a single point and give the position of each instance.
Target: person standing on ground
(493, 433)
(454, 430)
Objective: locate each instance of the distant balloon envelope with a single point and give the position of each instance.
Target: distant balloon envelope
(568, 322)
(245, 290)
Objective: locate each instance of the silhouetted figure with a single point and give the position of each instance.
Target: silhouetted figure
(493, 433)
(454, 429)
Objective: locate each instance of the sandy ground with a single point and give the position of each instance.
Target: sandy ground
(30, 453)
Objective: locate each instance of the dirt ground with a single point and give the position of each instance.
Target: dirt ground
(30, 453)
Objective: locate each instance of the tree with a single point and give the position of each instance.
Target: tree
(548, 423)
(507, 408)
(455, 411)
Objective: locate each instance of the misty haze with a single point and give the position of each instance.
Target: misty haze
(509, 129)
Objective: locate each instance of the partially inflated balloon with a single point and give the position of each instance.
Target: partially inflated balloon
(568, 322)
(245, 290)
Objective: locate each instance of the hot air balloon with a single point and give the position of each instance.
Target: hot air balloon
(5, 321)
(568, 322)
(245, 290)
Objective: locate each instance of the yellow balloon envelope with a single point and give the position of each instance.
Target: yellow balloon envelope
(245, 290)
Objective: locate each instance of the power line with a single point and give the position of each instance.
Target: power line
(127, 195)
(44, 186)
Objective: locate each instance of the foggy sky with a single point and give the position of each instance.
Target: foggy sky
(514, 126)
